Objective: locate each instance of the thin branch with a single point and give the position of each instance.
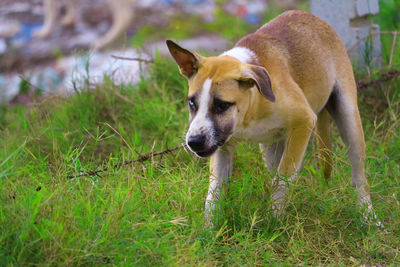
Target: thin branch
(29, 83)
(383, 78)
(392, 50)
(134, 59)
(124, 163)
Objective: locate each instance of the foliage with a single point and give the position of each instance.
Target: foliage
(389, 20)
(177, 28)
(181, 27)
(389, 14)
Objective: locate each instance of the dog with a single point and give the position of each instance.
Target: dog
(274, 87)
(121, 12)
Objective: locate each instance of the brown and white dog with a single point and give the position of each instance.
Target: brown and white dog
(273, 88)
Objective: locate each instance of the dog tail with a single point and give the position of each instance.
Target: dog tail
(323, 135)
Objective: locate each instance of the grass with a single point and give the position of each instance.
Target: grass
(389, 20)
(152, 213)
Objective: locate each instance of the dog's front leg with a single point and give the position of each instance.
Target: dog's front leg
(296, 145)
(221, 169)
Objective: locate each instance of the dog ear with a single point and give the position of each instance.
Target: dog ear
(258, 76)
(187, 61)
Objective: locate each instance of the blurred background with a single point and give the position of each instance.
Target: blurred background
(51, 45)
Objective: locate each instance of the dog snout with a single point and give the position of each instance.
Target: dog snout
(196, 143)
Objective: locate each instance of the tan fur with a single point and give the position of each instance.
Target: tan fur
(309, 70)
(121, 12)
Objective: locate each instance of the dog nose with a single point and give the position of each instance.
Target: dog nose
(197, 142)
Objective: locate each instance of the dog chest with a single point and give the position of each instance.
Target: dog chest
(267, 131)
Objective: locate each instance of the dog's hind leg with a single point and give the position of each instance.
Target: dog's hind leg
(50, 16)
(343, 108)
(272, 154)
(323, 136)
(221, 169)
(69, 17)
(121, 18)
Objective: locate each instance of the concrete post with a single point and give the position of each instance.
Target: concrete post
(351, 19)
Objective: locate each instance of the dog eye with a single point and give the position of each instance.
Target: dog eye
(220, 106)
(192, 104)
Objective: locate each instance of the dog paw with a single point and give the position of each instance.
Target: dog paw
(42, 33)
(369, 217)
(67, 21)
(99, 45)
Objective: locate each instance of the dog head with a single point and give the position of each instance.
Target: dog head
(218, 96)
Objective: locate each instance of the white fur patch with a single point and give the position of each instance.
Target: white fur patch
(201, 124)
(204, 98)
(266, 131)
(243, 54)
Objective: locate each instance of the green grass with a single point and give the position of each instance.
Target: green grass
(152, 213)
(389, 20)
